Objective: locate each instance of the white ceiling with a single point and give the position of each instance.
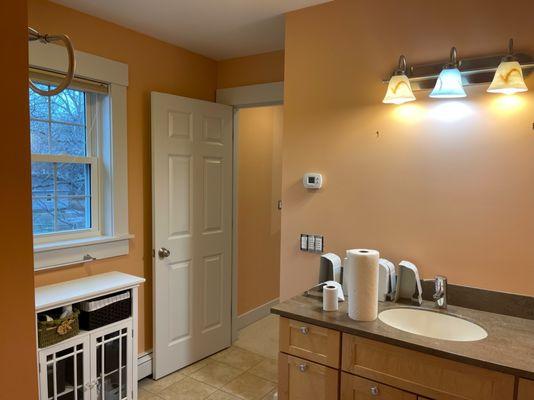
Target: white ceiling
(218, 29)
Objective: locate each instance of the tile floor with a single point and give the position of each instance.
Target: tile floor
(245, 371)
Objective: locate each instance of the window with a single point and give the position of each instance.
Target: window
(79, 159)
(64, 164)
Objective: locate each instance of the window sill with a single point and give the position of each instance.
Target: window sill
(73, 252)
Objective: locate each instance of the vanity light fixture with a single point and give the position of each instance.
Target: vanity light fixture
(399, 88)
(449, 83)
(508, 78)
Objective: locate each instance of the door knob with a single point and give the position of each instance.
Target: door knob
(374, 391)
(164, 253)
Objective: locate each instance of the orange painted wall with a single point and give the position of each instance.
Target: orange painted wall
(259, 185)
(153, 66)
(251, 70)
(447, 185)
(18, 373)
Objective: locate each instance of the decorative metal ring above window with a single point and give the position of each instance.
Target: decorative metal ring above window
(45, 38)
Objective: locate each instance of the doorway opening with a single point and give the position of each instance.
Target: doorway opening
(257, 194)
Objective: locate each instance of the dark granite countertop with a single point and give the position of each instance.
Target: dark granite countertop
(508, 348)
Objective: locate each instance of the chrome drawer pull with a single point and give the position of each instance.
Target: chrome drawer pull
(374, 391)
(302, 367)
(304, 330)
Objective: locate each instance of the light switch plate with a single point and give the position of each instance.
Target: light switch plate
(311, 243)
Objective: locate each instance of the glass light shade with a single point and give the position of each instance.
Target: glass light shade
(399, 90)
(449, 85)
(508, 79)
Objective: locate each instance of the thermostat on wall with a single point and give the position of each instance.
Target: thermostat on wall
(312, 180)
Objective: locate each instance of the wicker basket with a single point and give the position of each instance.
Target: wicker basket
(105, 310)
(52, 332)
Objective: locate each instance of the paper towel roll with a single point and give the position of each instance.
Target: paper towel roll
(362, 285)
(330, 294)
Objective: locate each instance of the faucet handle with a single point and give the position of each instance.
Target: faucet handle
(440, 294)
(440, 281)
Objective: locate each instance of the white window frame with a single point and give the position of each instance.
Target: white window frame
(109, 235)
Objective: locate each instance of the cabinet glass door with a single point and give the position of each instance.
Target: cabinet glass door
(64, 370)
(112, 363)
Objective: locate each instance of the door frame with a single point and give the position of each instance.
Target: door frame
(260, 95)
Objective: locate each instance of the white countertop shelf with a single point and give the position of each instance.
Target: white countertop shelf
(60, 294)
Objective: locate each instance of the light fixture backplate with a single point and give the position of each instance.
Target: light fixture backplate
(476, 70)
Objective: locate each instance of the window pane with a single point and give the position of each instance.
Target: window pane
(58, 123)
(42, 179)
(67, 139)
(73, 213)
(68, 106)
(43, 215)
(61, 197)
(39, 104)
(72, 179)
(39, 137)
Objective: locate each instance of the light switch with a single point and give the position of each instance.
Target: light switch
(303, 242)
(319, 244)
(311, 243)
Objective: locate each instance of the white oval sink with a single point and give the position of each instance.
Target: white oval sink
(432, 324)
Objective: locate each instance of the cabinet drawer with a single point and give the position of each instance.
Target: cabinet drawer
(526, 390)
(424, 374)
(310, 342)
(299, 379)
(356, 388)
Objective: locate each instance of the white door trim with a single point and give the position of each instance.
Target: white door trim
(266, 94)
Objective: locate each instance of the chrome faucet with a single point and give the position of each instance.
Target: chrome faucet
(440, 296)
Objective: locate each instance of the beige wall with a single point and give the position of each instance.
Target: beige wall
(454, 196)
(153, 66)
(18, 373)
(251, 70)
(259, 161)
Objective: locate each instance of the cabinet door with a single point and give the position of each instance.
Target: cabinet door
(304, 380)
(525, 390)
(311, 342)
(64, 370)
(356, 388)
(111, 362)
(424, 374)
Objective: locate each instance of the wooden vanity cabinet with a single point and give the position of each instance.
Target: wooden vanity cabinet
(525, 390)
(321, 364)
(357, 388)
(311, 342)
(301, 379)
(422, 373)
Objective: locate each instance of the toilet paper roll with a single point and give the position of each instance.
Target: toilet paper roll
(330, 294)
(362, 285)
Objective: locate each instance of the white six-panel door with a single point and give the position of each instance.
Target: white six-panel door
(192, 217)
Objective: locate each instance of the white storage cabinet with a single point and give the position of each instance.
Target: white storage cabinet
(100, 364)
